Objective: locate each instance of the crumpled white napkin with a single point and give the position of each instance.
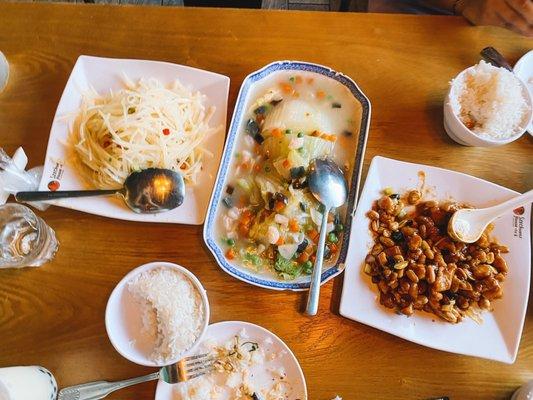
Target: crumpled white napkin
(14, 178)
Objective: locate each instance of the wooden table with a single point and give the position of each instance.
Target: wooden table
(54, 315)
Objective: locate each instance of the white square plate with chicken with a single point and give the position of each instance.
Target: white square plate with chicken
(497, 335)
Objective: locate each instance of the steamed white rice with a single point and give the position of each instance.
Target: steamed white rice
(490, 101)
(172, 311)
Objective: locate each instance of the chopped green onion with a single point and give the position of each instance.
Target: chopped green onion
(388, 191)
(332, 238)
(230, 242)
(300, 134)
(252, 258)
(307, 267)
(292, 79)
(244, 184)
(339, 227)
(288, 131)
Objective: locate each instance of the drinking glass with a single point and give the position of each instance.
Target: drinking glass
(4, 71)
(25, 239)
(27, 383)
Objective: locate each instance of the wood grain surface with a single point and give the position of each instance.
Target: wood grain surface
(54, 315)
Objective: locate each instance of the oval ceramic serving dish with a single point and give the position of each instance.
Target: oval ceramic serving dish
(349, 150)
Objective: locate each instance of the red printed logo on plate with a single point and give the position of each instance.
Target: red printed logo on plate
(519, 211)
(53, 185)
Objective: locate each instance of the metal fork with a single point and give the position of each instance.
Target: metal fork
(182, 371)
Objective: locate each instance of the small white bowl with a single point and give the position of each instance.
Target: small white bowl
(124, 324)
(461, 134)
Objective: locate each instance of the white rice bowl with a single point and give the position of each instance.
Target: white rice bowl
(172, 311)
(491, 102)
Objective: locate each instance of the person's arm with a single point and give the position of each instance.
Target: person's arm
(516, 15)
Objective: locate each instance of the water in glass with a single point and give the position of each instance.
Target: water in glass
(25, 239)
(4, 71)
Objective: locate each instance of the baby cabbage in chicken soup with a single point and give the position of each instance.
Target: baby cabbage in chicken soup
(270, 221)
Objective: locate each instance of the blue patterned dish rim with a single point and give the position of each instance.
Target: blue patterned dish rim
(225, 164)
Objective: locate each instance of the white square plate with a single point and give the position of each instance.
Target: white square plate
(498, 337)
(104, 74)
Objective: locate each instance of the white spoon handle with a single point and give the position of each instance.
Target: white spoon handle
(511, 204)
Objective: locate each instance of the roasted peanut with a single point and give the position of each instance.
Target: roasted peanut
(382, 258)
(420, 270)
(373, 215)
(430, 273)
(404, 286)
(500, 264)
(408, 310)
(378, 248)
(411, 275)
(431, 204)
(382, 285)
(484, 303)
(481, 271)
(408, 231)
(503, 249)
(413, 291)
(386, 203)
(414, 242)
(398, 258)
(493, 294)
(386, 241)
(413, 197)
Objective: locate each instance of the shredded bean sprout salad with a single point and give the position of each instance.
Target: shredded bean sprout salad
(142, 126)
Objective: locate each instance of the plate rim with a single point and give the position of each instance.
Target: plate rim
(224, 166)
(134, 217)
(343, 305)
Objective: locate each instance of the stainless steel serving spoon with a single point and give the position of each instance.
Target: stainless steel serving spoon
(328, 185)
(151, 190)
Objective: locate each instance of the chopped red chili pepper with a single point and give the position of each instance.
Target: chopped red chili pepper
(166, 131)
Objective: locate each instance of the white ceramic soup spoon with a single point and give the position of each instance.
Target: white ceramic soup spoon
(467, 225)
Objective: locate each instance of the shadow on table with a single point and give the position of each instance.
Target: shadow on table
(336, 294)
